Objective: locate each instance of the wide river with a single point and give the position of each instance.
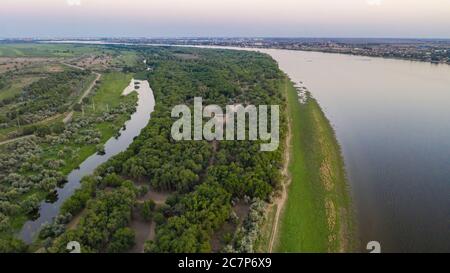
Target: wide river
(392, 120)
(138, 120)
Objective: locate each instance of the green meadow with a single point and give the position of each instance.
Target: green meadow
(317, 216)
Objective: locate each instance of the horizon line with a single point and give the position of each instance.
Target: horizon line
(54, 37)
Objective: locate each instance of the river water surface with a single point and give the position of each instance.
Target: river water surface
(137, 122)
(392, 120)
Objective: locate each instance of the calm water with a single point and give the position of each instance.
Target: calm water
(392, 119)
(137, 122)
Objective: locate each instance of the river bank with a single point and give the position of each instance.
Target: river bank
(318, 215)
(113, 146)
(314, 210)
(391, 121)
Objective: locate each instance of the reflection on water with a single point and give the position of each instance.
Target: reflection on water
(392, 119)
(50, 208)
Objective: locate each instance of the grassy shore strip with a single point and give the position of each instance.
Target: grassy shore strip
(262, 244)
(109, 95)
(317, 216)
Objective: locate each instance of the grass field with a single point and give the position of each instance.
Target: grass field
(46, 50)
(16, 87)
(121, 57)
(109, 95)
(126, 58)
(317, 216)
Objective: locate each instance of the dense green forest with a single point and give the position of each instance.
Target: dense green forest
(206, 179)
(216, 191)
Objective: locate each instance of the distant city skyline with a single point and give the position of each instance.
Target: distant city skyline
(230, 18)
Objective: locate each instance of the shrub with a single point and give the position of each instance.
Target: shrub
(122, 240)
(100, 149)
(147, 209)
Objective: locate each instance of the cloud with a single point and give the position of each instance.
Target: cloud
(374, 2)
(73, 2)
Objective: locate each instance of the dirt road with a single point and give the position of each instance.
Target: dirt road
(68, 118)
(280, 202)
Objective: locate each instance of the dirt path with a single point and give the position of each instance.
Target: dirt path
(14, 139)
(76, 220)
(89, 89)
(280, 202)
(69, 116)
(73, 66)
(144, 231)
(49, 119)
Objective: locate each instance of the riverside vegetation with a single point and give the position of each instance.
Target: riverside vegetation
(206, 180)
(217, 193)
(32, 168)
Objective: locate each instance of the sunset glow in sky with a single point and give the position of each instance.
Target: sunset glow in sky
(170, 18)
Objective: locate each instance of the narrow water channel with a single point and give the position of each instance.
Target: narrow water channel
(138, 120)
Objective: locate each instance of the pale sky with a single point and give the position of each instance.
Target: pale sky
(256, 18)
